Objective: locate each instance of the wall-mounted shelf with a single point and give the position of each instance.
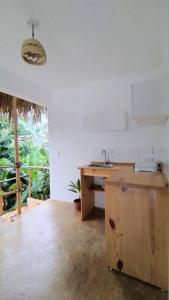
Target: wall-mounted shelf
(105, 121)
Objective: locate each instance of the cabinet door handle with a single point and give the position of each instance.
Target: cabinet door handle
(112, 224)
(120, 265)
(124, 188)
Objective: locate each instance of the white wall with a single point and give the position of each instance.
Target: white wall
(166, 156)
(71, 146)
(166, 160)
(16, 85)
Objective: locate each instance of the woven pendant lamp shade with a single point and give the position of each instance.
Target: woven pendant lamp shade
(32, 50)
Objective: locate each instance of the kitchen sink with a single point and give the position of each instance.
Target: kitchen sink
(101, 165)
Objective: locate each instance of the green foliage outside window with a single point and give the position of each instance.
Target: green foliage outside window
(33, 150)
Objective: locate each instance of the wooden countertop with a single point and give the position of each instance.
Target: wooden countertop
(122, 173)
(137, 179)
(105, 172)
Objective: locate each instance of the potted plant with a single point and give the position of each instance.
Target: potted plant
(75, 187)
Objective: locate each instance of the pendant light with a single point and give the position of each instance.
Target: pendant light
(32, 50)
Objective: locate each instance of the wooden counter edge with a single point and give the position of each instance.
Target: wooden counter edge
(134, 185)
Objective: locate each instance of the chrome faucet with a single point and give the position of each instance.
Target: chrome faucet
(105, 156)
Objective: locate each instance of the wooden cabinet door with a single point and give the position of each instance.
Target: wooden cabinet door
(136, 233)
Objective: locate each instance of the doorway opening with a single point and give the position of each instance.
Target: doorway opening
(24, 159)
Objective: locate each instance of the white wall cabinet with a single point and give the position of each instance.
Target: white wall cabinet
(150, 102)
(99, 122)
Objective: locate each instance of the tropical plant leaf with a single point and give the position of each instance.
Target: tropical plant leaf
(78, 185)
(73, 191)
(74, 187)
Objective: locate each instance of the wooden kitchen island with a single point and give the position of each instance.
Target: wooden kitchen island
(136, 220)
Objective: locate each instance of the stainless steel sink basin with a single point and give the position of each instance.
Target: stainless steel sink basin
(101, 165)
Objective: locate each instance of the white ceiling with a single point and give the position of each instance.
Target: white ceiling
(85, 40)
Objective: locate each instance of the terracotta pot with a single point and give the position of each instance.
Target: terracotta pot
(77, 203)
